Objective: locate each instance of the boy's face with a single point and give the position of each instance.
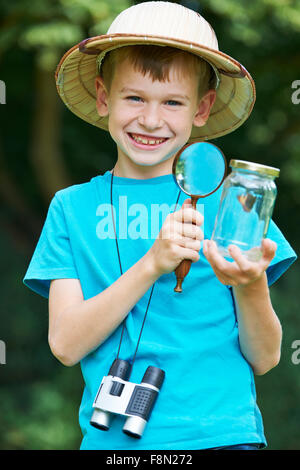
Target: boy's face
(151, 121)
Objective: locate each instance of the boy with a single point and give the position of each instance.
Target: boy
(146, 83)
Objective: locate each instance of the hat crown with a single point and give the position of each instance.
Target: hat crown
(165, 19)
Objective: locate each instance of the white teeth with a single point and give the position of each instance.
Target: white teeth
(145, 141)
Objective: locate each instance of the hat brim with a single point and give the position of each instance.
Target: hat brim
(76, 72)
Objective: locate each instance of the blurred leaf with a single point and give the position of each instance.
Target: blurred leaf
(56, 33)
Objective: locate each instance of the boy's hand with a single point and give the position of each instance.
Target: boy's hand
(178, 239)
(240, 272)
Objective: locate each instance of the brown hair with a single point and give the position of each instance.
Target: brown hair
(157, 61)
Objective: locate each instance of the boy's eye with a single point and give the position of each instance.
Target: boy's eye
(134, 98)
(173, 103)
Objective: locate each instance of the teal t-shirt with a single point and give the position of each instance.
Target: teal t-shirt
(208, 397)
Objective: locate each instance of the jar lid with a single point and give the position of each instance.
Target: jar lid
(262, 169)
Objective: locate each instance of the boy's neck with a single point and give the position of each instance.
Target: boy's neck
(143, 172)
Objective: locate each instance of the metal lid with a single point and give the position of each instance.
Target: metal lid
(257, 167)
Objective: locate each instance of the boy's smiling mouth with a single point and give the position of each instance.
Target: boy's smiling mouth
(144, 141)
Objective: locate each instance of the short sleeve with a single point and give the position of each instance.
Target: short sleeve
(285, 255)
(52, 258)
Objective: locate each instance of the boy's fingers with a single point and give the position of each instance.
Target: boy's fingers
(214, 257)
(246, 266)
(222, 267)
(268, 248)
(241, 269)
(187, 202)
(188, 214)
(228, 268)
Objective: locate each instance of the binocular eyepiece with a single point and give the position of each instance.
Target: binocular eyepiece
(116, 395)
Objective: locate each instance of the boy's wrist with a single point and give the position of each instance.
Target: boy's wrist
(254, 297)
(258, 285)
(150, 266)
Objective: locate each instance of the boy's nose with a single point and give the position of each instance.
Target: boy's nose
(150, 118)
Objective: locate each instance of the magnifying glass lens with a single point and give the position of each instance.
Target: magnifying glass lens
(199, 169)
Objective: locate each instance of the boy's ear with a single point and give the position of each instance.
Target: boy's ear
(204, 107)
(101, 97)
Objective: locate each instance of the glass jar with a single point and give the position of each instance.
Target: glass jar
(246, 207)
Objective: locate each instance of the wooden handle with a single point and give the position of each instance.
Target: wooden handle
(181, 271)
(183, 268)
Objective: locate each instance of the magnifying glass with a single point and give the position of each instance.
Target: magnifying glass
(199, 169)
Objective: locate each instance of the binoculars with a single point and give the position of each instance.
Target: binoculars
(117, 396)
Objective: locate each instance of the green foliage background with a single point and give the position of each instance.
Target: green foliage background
(39, 397)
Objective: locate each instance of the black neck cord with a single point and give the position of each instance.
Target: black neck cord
(117, 245)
